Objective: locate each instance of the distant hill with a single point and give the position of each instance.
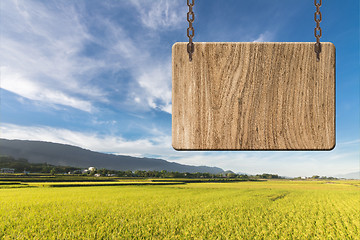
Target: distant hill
(67, 155)
(354, 175)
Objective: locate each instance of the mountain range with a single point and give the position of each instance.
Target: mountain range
(67, 155)
(354, 175)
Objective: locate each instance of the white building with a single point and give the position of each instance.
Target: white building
(92, 169)
(7, 170)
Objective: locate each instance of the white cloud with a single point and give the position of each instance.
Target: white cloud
(157, 83)
(14, 82)
(264, 37)
(40, 55)
(356, 141)
(151, 75)
(42, 59)
(161, 14)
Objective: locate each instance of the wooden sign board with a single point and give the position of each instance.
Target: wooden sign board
(253, 96)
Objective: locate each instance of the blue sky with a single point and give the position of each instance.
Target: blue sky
(97, 74)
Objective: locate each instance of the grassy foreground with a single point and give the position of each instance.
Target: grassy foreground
(242, 210)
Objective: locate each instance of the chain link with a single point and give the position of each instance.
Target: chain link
(317, 30)
(190, 30)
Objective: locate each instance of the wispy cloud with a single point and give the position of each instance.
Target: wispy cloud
(160, 15)
(150, 75)
(40, 55)
(44, 55)
(16, 83)
(352, 142)
(156, 82)
(265, 37)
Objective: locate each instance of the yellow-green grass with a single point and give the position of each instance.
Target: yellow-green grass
(12, 184)
(199, 180)
(91, 184)
(243, 210)
(64, 178)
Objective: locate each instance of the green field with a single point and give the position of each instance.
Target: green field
(234, 210)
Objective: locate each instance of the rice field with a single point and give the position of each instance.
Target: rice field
(235, 210)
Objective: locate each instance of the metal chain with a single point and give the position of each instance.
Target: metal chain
(190, 30)
(317, 31)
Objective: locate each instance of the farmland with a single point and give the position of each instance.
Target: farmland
(232, 210)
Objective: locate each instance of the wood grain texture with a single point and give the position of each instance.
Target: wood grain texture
(253, 96)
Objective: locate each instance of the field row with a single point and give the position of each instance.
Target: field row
(80, 184)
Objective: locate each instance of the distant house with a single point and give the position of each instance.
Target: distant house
(92, 169)
(97, 175)
(7, 170)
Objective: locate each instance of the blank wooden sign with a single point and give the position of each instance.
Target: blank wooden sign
(253, 96)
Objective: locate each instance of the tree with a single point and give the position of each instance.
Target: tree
(52, 171)
(102, 171)
(128, 173)
(230, 175)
